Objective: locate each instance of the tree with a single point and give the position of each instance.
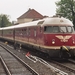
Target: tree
(4, 20)
(67, 7)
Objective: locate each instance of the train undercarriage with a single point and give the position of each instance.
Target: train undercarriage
(63, 52)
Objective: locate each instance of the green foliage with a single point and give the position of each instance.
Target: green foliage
(67, 7)
(4, 20)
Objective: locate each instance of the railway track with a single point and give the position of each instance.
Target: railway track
(12, 64)
(40, 66)
(2, 67)
(67, 66)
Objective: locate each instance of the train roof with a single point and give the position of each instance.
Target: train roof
(46, 21)
(58, 21)
(9, 27)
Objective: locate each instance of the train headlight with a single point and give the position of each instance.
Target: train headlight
(53, 41)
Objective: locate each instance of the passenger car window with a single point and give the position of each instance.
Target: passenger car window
(28, 31)
(35, 32)
(25, 32)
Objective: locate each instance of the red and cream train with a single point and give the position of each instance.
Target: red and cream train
(53, 35)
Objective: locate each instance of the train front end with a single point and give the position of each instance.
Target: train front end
(59, 38)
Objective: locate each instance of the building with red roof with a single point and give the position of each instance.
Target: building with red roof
(29, 16)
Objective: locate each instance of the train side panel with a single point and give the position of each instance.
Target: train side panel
(30, 35)
(8, 34)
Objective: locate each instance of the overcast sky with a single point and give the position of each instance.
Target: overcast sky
(15, 8)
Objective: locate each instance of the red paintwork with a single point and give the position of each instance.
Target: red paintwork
(42, 38)
(49, 37)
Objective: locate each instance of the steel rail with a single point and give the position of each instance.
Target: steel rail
(64, 66)
(5, 66)
(20, 60)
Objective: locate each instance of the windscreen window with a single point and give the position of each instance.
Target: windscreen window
(55, 29)
(50, 29)
(70, 29)
(58, 29)
(63, 29)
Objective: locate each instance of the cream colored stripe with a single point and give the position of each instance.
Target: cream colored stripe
(48, 47)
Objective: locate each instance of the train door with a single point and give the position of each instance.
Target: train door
(28, 33)
(25, 36)
(35, 35)
(40, 36)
